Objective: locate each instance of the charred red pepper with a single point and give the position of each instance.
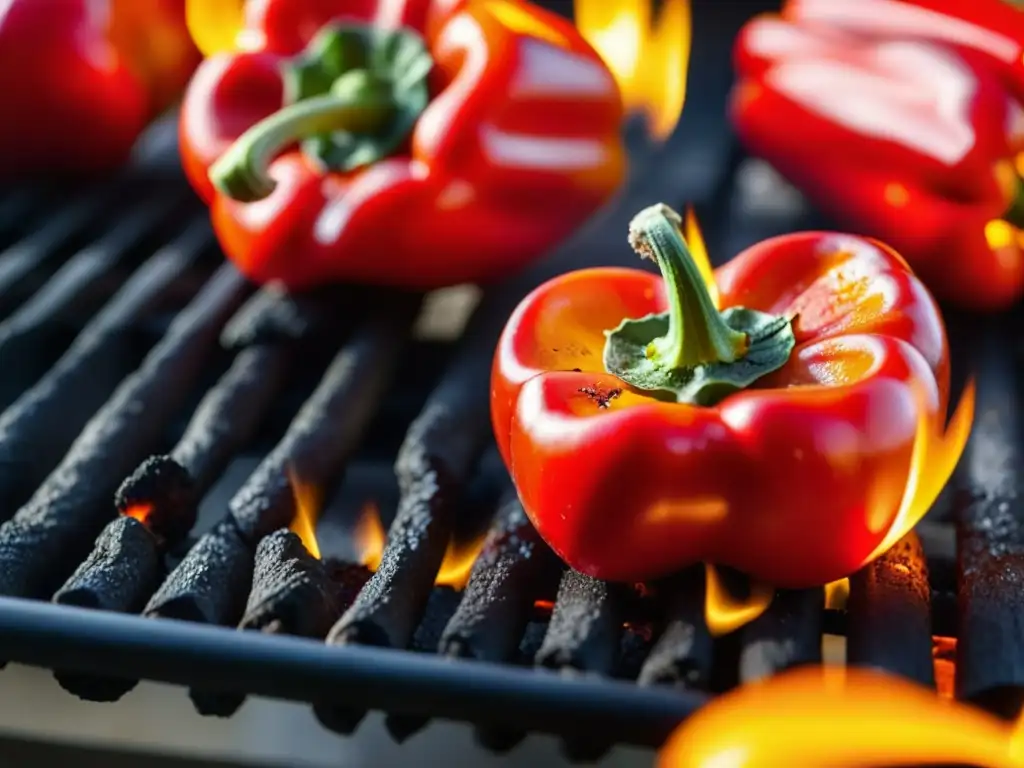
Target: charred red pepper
(905, 140)
(82, 78)
(648, 427)
(416, 143)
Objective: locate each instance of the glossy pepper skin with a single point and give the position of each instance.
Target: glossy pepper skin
(991, 29)
(904, 140)
(84, 77)
(512, 142)
(794, 480)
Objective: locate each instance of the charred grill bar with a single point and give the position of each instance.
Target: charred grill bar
(990, 531)
(302, 386)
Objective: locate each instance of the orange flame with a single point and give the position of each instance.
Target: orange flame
(649, 59)
(307, 512)
(725, 613)
(456, 566)
(935, 456)
(369, 536)
(836, 595)
(944, 664)
(699, 252)
(840, 718)
(458, 563)
(140, 512)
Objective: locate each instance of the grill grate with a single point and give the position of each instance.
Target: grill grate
(176, 377)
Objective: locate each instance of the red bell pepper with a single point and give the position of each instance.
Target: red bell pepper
(992, 29)
(82, 78)
(648, 428)
(903, 140)
(415, 143)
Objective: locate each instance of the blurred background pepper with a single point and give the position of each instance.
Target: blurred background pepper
(82, 78)
(902, 124)
(420, 144)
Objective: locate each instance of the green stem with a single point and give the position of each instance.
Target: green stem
(697, 334)
(241, 173)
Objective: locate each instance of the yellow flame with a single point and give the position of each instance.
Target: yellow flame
(723, 612)
(840, 718)
(458, 563)
(369, 536)
(218, 26)
(935, 456)
(836, 595)
(649, 59)
(307, 511)
(699, 252)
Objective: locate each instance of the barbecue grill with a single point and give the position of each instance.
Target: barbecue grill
(139, 368)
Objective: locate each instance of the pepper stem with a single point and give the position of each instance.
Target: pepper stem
(356, 104)
(697, 334)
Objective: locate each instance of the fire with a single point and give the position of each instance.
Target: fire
(217, 26)
(723, 612)
(648, 58)
(307, 512)
(935, 456)
(841, 718)
(458, 563)
(140, 512)
(836, 595)
(699, 252)
(369, 536)
(944, 664)
(456, 566)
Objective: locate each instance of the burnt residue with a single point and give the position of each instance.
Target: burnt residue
(292, 591)
(34, 324)
(584, 635)
(37, 429)
(600, 395)
(441, 605)
(123, 570)
(786, 635)
(434, 464)
(171, 487)
(54, 530)
(161, 494)
(276, 316)
(314, 449)
(438, 456)
(889, 614)
(211, 584)
(232, 411)
(292, 594)
(511, 569)
(330, 425)
(586, 625)
(990, 531)
(682, 652)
